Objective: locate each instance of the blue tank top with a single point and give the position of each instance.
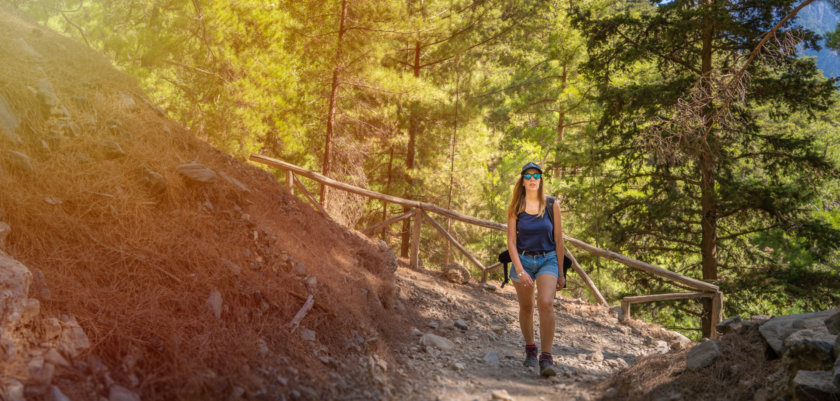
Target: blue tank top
(534, 234)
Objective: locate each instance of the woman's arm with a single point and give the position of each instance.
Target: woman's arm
(524, 279)
(561, 246)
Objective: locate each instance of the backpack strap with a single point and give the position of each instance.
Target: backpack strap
(549, 208)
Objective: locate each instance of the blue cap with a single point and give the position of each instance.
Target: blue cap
(531, 165)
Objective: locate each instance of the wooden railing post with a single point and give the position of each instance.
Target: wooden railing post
(586, 279)
(414, 255)
(717, 312)
(290, 181)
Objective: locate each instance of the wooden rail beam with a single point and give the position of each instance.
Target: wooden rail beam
(586, 279)
(655, 270)
(414, 251)
(370, 230)
(309, 196)
(489, 269)
(627, 301)
(453, 241)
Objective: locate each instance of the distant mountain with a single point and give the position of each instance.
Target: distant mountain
(821, 18)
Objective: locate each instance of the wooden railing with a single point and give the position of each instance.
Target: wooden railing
(418, 212)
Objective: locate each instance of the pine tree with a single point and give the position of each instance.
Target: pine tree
(691, 170)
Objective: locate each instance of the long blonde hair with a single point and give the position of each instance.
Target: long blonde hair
(517, 202)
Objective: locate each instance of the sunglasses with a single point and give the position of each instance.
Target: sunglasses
(528, 176)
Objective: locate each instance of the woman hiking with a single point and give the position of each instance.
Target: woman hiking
(535, 245)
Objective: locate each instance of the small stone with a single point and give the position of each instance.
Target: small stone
(596, 356)
(152, 180)
(461, 324)
(73, 339)
(492, 358)
(5, 229)
(54, 357)
(18, 161)
(120, 393)
(306, 334)
(214, 302)
(490, 287)
(196, 173)
(237, 392)
(311, 283)
(433, 325)
(501, 395)
(702, 355)
(12, 390)
(436, 341)
(300, 269)
(113, 150)
(40, 371)
(55, 394)
(416, 332)
(457, 273)
(458, 366)
(52, 328)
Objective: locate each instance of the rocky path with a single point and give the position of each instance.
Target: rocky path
(469, 346)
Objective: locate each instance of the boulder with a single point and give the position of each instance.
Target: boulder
(808, 350)
(702, 355)
(196, 173)
(73, 339)
(431, 340)
(733, 324)
(679, 342)
(777, 329)
(833, 323)
(814, 385)
(457, 273)
(836, 373)
(15, 279)
(18, 161)
(8, 123)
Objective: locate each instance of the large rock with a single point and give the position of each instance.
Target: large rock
(733, 324)
(196, 173)
(15, 279)
(814, 385)
(8, 123)
(702, 355)
(833, 323)
(836, 372)
(808, 350)
(456, 273)
(72, 340)
(777, 329)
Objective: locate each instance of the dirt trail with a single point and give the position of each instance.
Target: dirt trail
(590, 344)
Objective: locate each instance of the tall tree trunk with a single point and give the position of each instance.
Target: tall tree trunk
(333, 93)
(413, 132)
(706, 165)
(452, 161)
(387, 190)
(561, 122)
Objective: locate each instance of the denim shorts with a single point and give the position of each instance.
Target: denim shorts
(537, 265)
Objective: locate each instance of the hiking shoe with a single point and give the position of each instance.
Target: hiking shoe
(547, 368)
(530, 356)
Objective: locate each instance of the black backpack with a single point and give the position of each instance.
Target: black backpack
(504, 257)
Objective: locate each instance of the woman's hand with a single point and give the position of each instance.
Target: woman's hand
(561, 281)
(525, 279)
